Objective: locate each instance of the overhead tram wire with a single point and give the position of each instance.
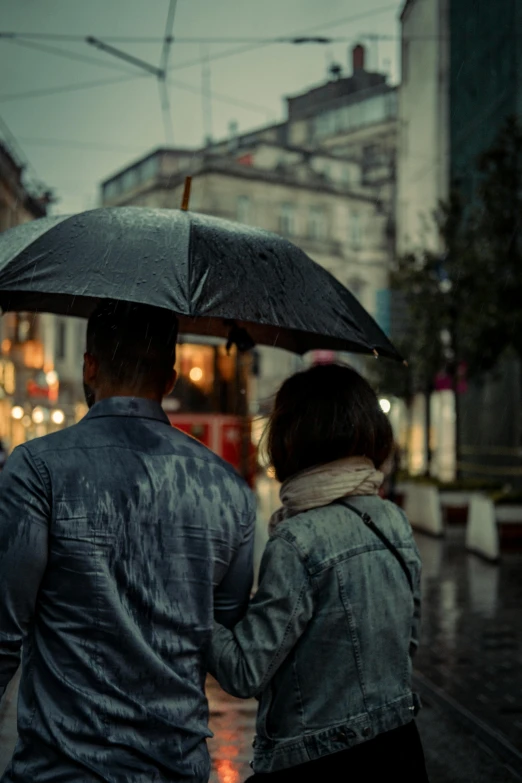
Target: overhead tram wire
(44, 92)
(291, 39)
(162, 79)
(65, 53)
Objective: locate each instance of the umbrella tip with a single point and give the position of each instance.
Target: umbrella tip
(375, 353)
(186, 194)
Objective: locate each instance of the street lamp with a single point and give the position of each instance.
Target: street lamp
(51, 377)
(17, 413)
(58, 417)
(38, 415)
(385, 405)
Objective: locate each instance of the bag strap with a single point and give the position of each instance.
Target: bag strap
(368, 521)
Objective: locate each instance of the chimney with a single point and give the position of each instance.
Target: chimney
(358, 58)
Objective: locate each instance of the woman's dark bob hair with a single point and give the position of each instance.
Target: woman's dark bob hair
(324, 414)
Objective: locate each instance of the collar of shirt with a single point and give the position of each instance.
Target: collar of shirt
(138, 407)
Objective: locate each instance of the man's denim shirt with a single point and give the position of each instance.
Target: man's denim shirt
(119, 537)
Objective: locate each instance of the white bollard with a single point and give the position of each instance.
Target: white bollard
(422, 507)
(482, 531)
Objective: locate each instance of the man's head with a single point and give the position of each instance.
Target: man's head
(131, 351)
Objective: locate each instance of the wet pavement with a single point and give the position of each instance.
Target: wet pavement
(472, 631)
(470, 658)
(453, 753)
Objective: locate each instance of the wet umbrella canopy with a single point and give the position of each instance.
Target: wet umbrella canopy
(216, 275)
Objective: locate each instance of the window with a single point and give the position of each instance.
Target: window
(112, 189)
(287, 220)
(316, 223)
(370, 154)
(61, 340)
(346, 176)
(355, 286)
(23, 328)
(325, 124)
(243, 209)
(130, 179)
(405, 61)
(149, 168)
(355, 230)
(82, 335)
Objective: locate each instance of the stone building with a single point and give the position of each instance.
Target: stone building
(318, 200)
(40, 359)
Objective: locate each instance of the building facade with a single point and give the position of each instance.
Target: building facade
(324, 178)
(40, 359)
(423, 156)
(461, 78)
(316, 199)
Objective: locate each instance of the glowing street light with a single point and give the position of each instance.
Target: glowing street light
(385, 405)
(38, 415)
(196, 374)
(58, 417)
(51, 377)
(17, 413)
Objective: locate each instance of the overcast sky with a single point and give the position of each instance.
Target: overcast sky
(76, 137)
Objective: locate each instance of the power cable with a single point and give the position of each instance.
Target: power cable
(223, 98)
(293, 38)
(162, 82)
(46, 91)
(68, 55)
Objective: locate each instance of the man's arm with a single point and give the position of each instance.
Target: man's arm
(24, 526)
(233, 593)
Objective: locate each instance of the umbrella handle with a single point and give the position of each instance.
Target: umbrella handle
(240, 338)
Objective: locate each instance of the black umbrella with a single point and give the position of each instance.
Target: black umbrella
(220, 278)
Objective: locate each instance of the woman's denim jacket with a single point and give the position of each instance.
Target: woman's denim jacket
(327, 641)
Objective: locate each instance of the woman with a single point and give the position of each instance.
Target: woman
(327, 640)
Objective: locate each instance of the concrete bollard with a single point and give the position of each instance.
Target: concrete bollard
(422, 507)
(482, 530)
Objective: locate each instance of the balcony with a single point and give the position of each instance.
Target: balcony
(313, 246)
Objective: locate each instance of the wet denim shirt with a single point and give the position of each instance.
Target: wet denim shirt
(119, 539)
(326, 643)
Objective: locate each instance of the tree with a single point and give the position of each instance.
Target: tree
(464, 304)
(493, 312)
(434, 294)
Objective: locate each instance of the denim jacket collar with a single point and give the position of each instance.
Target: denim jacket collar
(138, 407)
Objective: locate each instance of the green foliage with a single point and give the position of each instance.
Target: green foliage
(472, 291)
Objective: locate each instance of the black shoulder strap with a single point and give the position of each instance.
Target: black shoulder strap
(368, 521)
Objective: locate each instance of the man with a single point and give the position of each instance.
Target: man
(120, 538)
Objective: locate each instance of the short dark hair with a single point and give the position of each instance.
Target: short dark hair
(135, 344)
(324, 414)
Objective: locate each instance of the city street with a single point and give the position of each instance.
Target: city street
(468, 669)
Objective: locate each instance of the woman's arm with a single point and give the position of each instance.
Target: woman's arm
(243, 660)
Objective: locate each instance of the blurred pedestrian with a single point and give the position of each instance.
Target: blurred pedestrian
(120, 538)
(327, 641)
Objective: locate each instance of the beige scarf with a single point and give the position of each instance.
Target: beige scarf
(323, 484)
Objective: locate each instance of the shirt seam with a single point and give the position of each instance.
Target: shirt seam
(47, 486)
